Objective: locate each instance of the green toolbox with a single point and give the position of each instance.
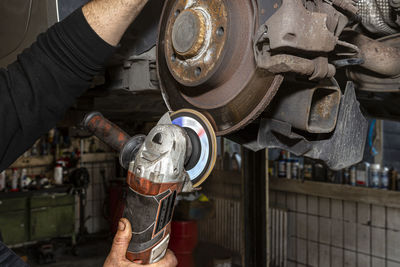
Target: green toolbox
(36, 216)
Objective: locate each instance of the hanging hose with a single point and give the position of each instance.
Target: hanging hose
(374, 152)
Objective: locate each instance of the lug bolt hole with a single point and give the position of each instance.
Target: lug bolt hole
(177, 12)
(197, 71)
(220, 31)
(173, 57)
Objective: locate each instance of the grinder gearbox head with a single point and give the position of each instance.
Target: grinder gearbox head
(203, 141)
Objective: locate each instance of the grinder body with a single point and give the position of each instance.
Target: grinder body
(155, 178)
(160, 166)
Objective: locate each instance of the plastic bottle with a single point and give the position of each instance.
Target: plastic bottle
(353, 175)
(308, 169)
(58, 174)
(24, 173)
(14, 180)
(288, 168)
(295, 169)
(282, 165)
(385, 178)
(374, 175)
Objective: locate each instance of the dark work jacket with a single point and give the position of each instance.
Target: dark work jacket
(38, 88)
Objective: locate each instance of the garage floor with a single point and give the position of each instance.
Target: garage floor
(93, 253)
(75, 261)
(90, 252)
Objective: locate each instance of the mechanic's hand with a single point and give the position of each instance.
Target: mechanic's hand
(117, 256)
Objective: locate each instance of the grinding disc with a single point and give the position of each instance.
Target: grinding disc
(205, 147)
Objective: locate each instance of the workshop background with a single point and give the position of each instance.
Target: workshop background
(60, 202)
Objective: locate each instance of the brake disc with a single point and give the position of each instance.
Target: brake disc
(206, 61)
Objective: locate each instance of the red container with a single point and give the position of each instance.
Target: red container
(183, 241)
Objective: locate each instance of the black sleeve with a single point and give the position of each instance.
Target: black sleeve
(9, 259)
(37, 89)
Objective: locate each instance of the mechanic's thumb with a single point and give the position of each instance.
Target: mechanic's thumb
(121, 239)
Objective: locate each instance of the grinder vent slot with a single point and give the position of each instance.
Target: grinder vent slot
(165, 212)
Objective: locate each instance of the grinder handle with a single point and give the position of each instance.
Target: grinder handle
(150, 217)
(105, 130)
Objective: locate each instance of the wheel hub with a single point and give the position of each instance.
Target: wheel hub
(195, 39)
(188, 33)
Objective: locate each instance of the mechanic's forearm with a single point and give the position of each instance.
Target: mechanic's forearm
(110, 18)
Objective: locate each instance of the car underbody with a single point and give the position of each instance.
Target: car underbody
(292, 74)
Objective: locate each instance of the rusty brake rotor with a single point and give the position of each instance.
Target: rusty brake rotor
(206, 61)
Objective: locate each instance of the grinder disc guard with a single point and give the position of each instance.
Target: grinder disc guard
(204, 143)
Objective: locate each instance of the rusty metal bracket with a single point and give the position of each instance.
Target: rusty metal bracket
(294, 27)
(380, 56)
(310, 107)
(380, 70)
(316, 69)
(347, 5)
(266, 8)
(340, 149)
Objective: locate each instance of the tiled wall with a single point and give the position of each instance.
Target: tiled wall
(95, 201)
(223, 228)
(328, 232)
(225, 225)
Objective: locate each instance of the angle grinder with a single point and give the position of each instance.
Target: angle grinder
(177, 156)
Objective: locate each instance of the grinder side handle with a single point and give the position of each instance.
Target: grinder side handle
(105, 130)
